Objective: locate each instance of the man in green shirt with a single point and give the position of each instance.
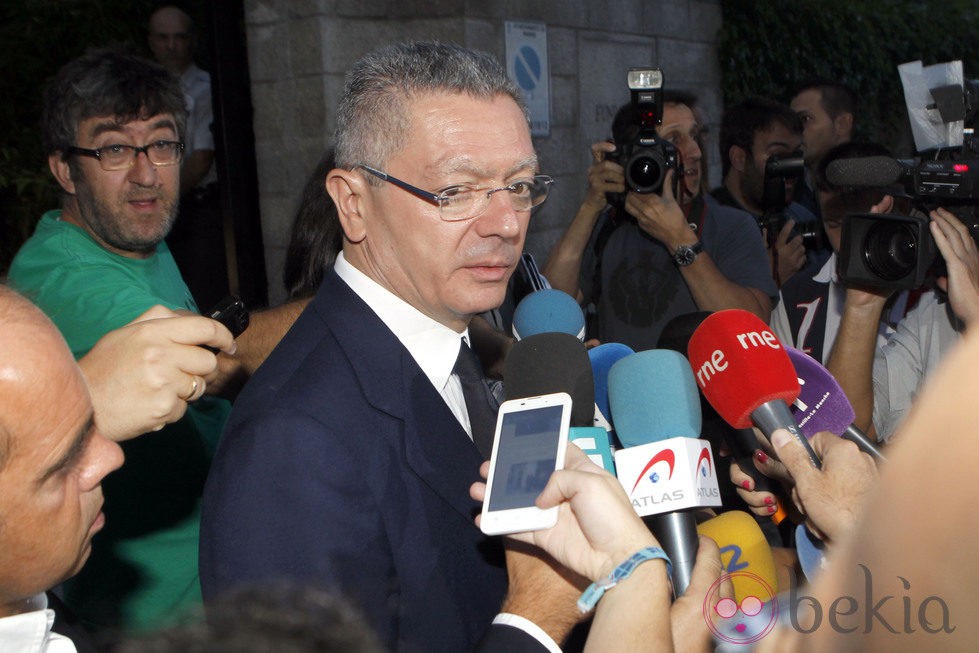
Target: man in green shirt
(113, 126)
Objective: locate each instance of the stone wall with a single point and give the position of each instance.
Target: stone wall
(299, 50)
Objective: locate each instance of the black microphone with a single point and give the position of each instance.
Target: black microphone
(558, 362)
(872, 171)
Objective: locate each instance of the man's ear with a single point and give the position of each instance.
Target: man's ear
(62, 172)
(737, 156)
(349, 192)
(843, 124)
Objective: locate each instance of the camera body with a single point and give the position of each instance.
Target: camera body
(898, 251)
(774, 201)
(880, 250)
(643, 155)
(893, 251)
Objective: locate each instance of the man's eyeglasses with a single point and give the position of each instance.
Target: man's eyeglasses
(465, 202)
(122, 157)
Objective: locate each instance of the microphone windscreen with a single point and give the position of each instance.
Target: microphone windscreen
(676, 334)
(552, 362)
(740, 365)
(822, 405)
(653, 397)
(602, 358)
(547, 311)
(871, 171)
(743, 548)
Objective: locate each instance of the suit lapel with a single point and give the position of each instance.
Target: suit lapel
(436, 446)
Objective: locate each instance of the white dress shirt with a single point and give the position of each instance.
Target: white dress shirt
(433, 345)
(30, 632)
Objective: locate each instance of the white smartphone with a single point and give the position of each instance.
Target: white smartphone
(530, 443)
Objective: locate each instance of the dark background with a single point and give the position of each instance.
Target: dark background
(764, 48)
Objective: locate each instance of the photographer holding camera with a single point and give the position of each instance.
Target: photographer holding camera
(808, 313)
(882, 382)
(760, 141)
(663, 252)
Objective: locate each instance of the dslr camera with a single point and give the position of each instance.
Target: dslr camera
(643, 155)
(778, 169)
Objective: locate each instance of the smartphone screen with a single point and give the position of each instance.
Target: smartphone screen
(525, 459)
(527, 450)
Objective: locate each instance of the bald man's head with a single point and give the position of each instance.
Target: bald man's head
(53, 458)
(171, 38)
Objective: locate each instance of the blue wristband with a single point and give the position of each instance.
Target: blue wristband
(597, 589)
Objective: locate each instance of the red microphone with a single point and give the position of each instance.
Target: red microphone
(746, 374)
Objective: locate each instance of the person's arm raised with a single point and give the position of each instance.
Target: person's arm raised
(563, 265)
(662, 218)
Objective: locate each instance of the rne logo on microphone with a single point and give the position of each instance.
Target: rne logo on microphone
(667, 456)
(748, 340)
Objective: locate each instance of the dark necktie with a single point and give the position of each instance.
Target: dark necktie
(480, 404)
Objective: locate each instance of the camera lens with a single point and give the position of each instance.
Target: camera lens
(645, 173)
(891, 250)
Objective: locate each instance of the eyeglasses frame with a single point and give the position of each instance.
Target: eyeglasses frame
(145, 149)
(435, 199)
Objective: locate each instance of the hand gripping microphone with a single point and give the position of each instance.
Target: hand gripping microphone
(744, 372)
(663, 468)
(822, 405)
(546, 311)
(558, 362)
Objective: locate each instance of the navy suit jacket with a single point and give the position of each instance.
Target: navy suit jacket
(343, 467)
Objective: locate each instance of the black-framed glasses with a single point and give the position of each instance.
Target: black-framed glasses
(465, 202)
(121, 157)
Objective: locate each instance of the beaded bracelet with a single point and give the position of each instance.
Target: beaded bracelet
(596, 590)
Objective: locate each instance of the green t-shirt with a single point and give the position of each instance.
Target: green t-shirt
(143, 570)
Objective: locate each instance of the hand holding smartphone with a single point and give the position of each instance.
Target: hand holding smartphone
(530, 444)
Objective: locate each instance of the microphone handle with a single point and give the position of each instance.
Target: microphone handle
(775, 414)
(677, 534)
(863, 441)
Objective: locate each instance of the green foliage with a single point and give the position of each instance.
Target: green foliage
(766, 47)
(38, 37)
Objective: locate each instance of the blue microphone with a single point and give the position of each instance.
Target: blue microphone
(655, 401)
(548, 311)
(603, 357)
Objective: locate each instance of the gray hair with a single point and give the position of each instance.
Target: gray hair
(372, 119)
(108, 83)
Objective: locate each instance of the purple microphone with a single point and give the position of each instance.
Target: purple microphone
(822, 405)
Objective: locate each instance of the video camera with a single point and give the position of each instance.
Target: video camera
(643, 155)
(778, 169)
(898, 251)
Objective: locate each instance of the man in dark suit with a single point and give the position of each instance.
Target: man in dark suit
(349, 455)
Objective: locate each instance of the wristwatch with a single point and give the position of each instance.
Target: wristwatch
(685, 254)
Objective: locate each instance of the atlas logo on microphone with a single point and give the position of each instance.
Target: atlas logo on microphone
(669, 475)
(703, 463)
(666, 456)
